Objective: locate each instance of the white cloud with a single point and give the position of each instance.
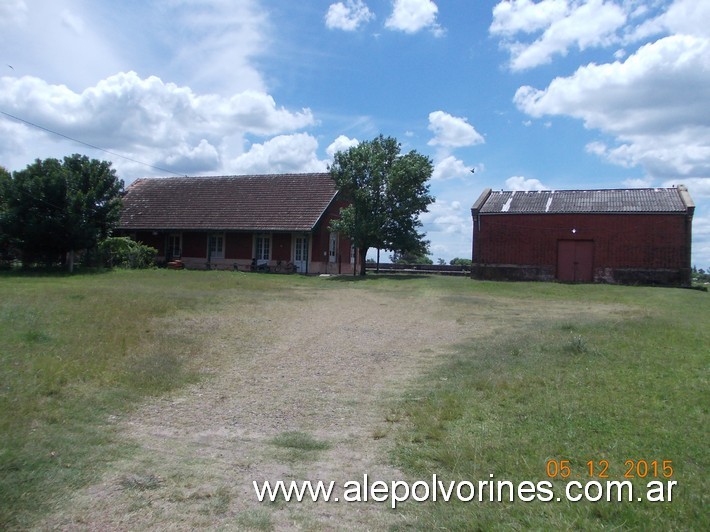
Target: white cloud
(448, 224)
(520, 183)
(656, 104)
(191, 159)
(450, 167)
(208, 45)
(254, 111)
(699, 187)
(447, 217)
(281, 154)
(213, 44)
(348, 16)
(12, 12)
(342, 143)
(159, 123)
(515, 16)
(688, 17)
(42, 35)
(126, 107)
(452, 131)
(566, 23)
(701, 238)
(411, 16)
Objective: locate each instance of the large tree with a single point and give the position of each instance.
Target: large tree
(4, 237)
(387, 191)
(53, 208)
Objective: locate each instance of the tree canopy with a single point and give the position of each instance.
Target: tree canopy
(387, 191)
(409, 258)
(54, 207)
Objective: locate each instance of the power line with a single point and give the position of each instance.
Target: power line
(87, 144)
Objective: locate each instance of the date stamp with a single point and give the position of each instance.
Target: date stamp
(564, 469)
(655, 474)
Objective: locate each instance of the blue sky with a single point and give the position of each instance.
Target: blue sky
(530, 94)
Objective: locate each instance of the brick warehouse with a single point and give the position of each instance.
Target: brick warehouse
(626, 236)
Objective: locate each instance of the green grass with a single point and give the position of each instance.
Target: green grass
(300, 441)
(78, 352)
(628, 386)
(631, 382)
(297, 446)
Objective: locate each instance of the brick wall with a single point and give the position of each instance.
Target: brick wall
(627, 243)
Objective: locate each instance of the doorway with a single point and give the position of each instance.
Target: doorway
(300, 253)
(575, 259)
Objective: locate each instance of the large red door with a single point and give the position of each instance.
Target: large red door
(575, 260)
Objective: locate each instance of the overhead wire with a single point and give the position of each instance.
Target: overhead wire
(32, 124)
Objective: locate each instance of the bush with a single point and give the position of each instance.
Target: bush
(700, 275)
(124, 252)
(466, 263)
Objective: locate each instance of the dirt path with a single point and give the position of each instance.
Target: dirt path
(323, 364)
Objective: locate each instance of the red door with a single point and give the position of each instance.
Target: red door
(574, 260)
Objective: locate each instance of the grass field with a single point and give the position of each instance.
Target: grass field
(628, 387)
(624, 376)
(78, 352)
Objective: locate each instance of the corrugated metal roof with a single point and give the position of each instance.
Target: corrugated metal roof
(279, 202)
(633, 200)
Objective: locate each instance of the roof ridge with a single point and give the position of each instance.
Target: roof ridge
(605, 200)
(236, 176)
(629, 189)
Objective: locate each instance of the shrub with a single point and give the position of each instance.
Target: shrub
(466, 263)
(124, 252)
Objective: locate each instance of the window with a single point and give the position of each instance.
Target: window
(174, 249)
(333, 247)
(216, 246)
(263, 247)
(301, 250)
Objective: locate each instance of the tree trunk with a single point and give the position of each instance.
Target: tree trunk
(363, 260)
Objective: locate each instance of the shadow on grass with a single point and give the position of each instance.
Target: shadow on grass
(54, 271)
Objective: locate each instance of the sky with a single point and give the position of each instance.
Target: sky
(514, 95)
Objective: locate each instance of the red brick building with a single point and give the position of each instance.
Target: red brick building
(628, 236)
(228, 222)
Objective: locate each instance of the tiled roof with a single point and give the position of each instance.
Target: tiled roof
(283, 202)
(635, 200)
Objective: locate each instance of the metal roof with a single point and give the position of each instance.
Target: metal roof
(277, 202)
(635, 200)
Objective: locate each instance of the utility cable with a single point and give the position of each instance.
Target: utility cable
(87, 144)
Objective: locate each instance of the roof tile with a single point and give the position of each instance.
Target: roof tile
(585, 201)
(277, 202)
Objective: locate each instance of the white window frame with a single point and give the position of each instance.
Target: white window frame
(333, 247)
(259, 247)
(172, 237)
(302, 250)
(216, 251)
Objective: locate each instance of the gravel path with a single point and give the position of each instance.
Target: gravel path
(325, 363)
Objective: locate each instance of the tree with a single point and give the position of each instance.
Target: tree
(53, 208)
(94, 194)
(387, 192)
(4, 236)
(410, 258)
(466, 263)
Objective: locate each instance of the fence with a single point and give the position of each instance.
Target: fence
(441, 269)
